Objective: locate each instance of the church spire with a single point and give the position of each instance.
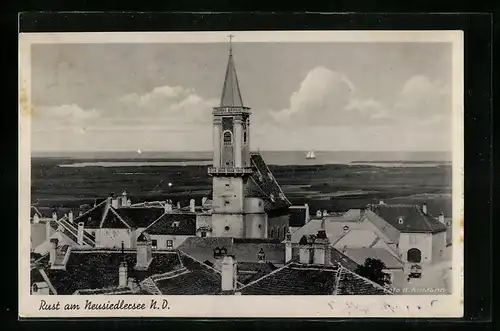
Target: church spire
(231, 95)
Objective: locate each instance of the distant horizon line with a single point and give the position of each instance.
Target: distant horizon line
(254, 150)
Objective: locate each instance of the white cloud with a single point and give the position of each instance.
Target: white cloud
(326, 97)
(324, 113)
(321, 95)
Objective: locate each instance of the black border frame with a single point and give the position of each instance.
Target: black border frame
(478, 37)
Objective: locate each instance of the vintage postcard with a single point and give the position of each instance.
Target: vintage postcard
(241, 174)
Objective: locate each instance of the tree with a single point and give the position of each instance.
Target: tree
(373, 270)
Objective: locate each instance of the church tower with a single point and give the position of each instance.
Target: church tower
(231, 159)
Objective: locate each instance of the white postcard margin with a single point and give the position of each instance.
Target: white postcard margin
(403, 306)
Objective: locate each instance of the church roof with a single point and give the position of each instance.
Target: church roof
(262, 184)
(231, 95)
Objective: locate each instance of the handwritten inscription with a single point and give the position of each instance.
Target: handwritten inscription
(108, 305)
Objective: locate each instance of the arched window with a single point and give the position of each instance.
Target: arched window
(245, 137)
(414, 255)
(284, 231)
(228, 138)
(278, 233)
(272, 233)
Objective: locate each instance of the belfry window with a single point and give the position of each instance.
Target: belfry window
(244, 137)
(228, 138)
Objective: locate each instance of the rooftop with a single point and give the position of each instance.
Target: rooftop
(300, 279)
(202, 249)
(407, 218)
(173, 224)
(98, 268)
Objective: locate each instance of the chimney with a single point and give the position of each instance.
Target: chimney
(48, 229)
(319, 213)
(122, 274)
(229, 273)
(131, 283)
(308, 216)
(54, 216)
(144, 255)
(441, 218)
(381, 202)
(115, 202)
(321, 249)
(288, 246)
(36, 219)
(178, 205)
(80, 233)
(70, 216)
(192, 206)
(325, 213)
(124, 198)
(168, 206)
(80, 213)
(261, 256)
(53, 251)
(424, 208)
(203, 201)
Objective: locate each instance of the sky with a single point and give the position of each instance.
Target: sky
(321, 96)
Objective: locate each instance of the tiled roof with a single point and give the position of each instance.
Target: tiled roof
(339, 258)
(251, 271)
(174, 224)
(139, 217)
(262, 184)
(297, 216)
(350, 283)
(97, 269)
(360, 254)
(299, 279)
(408, 218)
(193, 279)
(244, 251)
(92, 218)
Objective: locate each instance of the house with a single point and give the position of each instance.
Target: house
(416, 235)
(113, 223)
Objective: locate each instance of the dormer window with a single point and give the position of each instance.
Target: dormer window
(228, 138)
(400, 220)
(175, 224)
